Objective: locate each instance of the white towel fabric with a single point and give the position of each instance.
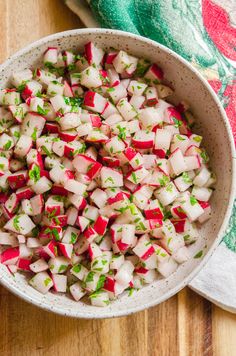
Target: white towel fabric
(217, 280)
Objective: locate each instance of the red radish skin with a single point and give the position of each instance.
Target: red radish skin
(147, 254)
(24, 264)
(10, 256)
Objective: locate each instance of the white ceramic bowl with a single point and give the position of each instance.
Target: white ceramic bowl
(211, 122)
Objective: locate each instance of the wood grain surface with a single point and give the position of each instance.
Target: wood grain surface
(185, 325)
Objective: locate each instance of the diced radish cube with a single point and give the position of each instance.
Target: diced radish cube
(69, 121)
(126, 109)
(192, 162)
(66, 249)
(39, 266)
(164, 91)
(33, 125)
(100, 264)
(50, 56)
(121, 62)
(79, 271)
(202, 177)
(136, 88)
(111, 178)
(148, 276)
(7, 238)
(99, 299)
(100, 225)
(179, 141)
(181, 255)
(137, 102)
(93, 280)
(128, 234)
(9, 97)
(91, 212)
(161, 254)
(115, 145)
(137, 176)
(124, 274)
(59, 283)
(144, 248)
(82, 222)
(20, 224)
(167, 194)
(94, 101)
(23, 146)
(77, 291)
(99, 197)
(150, 117)
(109, 110)
(94, 251)
(167, 268)
(143, 139)
(93, 54)
(10, 256)
(58, 264)
(90, 78)
(201, 193)
(191, 207)
(42, 185)
(117, 261)
(177, 162)
(86, 165)
(154, 74)
(117, 92)
(151, 96)
(90, 234)
(75, 187)
(41, 282)
(162, 139)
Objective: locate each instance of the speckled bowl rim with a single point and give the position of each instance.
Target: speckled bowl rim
(185, 281)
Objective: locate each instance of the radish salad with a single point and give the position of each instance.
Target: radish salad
(102, 181)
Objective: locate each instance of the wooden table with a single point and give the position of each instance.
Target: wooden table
(185, 325)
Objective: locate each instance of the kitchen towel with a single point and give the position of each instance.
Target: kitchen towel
(209, 43)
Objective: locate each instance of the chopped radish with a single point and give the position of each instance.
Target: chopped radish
(41, 282)
(101, 180)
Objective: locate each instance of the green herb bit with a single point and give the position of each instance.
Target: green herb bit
(47, 281)
(7, 145)
(180, 138)
(89, 277)
(42, 111)
(73, 237)
(16, 222)
(177, 122)
(109, 179)
(34, 134)
(101, 282)
(109, 90)
(199, 254)
(133, 175)
(77, 268)
(34, 173)
(193, 200)
(122, 132)
(62, 268)
(186, 178)
(45, 150)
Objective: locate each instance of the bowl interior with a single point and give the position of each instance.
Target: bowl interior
(210, 123)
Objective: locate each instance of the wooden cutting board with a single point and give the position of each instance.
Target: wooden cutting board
(185, 325)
